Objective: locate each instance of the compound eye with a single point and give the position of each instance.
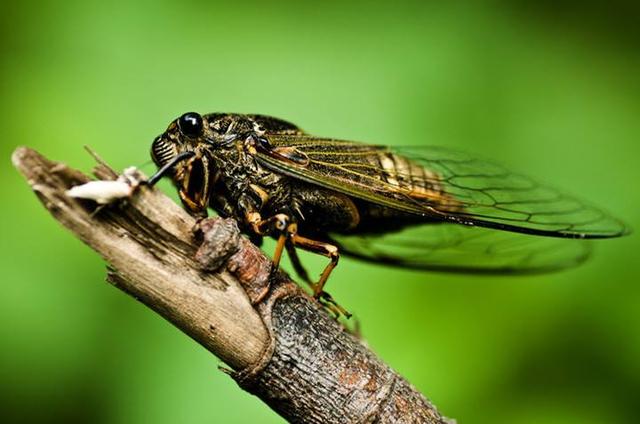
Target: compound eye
(190, 125)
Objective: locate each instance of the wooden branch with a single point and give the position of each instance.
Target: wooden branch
(219, 289)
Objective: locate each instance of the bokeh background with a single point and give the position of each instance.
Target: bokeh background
(551, 90)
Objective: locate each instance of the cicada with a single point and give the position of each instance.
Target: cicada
(428, 208)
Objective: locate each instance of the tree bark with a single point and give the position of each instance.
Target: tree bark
(220, 289)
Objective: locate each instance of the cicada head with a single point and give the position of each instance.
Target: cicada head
(180, 152)
(182, 135)
(197, 149)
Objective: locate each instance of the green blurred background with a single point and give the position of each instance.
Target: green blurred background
(550, 90)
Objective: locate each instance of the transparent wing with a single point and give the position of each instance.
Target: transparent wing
(442, 185)
(462, 249)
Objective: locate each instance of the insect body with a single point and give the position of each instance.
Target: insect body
(421, 207)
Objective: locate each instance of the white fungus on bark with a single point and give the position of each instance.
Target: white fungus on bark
(105, 192)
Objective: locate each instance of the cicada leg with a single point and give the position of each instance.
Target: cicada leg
(289, 239)
(327, 301)
(321, 248)
(297, 264)
(324, 249)
(262, 227)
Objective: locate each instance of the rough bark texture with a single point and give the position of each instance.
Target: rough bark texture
(336, 378)
(220, 289)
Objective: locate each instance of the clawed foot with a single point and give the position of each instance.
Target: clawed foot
(326, 300)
